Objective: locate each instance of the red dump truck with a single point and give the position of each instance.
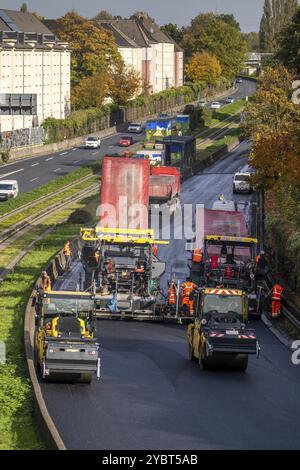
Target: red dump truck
(164, 188)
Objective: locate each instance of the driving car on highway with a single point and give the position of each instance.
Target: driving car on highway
(126, 141)
(239, 80)
(8, 189)
(229, 100)
(241, 183)
(92, 142)
(135, 127)
(215, 105)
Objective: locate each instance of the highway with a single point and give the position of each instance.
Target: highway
(151, 397)
(36, 171)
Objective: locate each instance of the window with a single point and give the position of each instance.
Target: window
(18, 104)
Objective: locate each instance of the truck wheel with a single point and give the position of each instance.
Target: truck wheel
(85, 379)
(241, 363)
(203, 360)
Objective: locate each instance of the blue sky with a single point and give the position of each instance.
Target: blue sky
(247, 12)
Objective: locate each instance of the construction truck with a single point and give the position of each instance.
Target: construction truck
(65, 347)
(125, 282)
(230, 262)
(219, 335)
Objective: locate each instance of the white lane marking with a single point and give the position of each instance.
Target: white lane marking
(64, 153)
(11, 173)
(73, 150)
(47, 159)
(35, 164)
(94, 153)
(34, 179)
(57, 169)
(76, 161)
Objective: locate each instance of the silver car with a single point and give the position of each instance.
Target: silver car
(135, 127)
(242, 183)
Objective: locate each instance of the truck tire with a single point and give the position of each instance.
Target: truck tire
(203, 363)
(241, 362)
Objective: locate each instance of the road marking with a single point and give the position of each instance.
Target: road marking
(57, 169)
(11, 173)
(35, 164)
(34, 179)
(94, 153)
(76, 161)
(73, 150)
(64, 153)
(47, 159)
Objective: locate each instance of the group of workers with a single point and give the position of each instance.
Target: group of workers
(45, 278)
(189, 289)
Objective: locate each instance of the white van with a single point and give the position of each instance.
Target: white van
(8, 189)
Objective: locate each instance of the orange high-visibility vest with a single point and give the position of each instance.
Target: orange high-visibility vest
(172, 295)
(46, 283)
(257, 259)
(110, 266)
(277, 292)
(187, 288)
(97, 256)
(67, 249)
(197, 255)
(154, 250)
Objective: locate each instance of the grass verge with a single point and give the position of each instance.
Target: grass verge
(17, 429)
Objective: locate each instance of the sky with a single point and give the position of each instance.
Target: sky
(247, 12)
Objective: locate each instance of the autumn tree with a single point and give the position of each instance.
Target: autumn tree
(203, 67)
(277, 14)
(272, 123)
(211, 33)
(91, 91)
(93, 48)
(125, 84)
(289, 45)
(103, 15)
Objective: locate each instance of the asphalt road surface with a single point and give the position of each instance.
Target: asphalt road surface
(151, 397)
(33, 172)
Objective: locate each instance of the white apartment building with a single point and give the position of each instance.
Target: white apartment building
(34, 73)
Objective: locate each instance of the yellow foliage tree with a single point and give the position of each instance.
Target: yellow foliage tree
(272, 123)
(203, 67)
(91, 91)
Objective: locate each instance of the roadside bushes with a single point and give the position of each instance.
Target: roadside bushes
(85, 121)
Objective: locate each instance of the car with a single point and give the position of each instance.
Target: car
(202, 103)
(223, 205)
(8, 189)
(135, 127)
(241, 183)
(126, 141)
(229, 100)
(92, 142)
(239, 80)
(215, 105)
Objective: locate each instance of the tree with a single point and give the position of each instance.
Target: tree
(91, 91)
(252, 40)
(210, 33)
(24, 8)
(103, 15)
(125, 84)
(93, 48)
(230, 19)
(272, 123)
(289, 45)
(277, 14)
(203, 67)
(173, 31)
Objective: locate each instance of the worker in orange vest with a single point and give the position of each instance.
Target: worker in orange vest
(155, 250)
(46, 282)
(97, 256)
(187, 297)
(68, 253)
(197, 255)
(277, 291)
(172, 294)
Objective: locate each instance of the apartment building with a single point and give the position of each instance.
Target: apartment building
(159, 60)
(34, 73)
